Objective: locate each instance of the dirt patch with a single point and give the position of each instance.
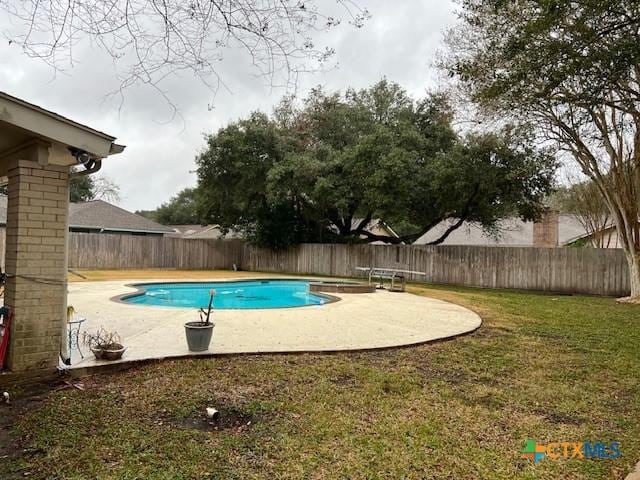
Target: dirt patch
(450, 375)
(551, 336)
(20, 402)
(493, 333)
(344, 380)
(559, 418)
(7, 449)
(229, 418)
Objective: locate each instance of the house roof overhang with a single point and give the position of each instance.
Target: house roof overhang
(30, 132)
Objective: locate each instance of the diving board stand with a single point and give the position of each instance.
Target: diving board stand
(395, 275)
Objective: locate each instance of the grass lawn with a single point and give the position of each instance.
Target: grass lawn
(549, 368)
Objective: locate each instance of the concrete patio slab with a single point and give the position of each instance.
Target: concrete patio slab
(356, 322)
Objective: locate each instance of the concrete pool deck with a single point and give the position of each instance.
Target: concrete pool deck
(356, 322)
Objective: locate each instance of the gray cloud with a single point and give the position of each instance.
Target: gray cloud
(399, 42)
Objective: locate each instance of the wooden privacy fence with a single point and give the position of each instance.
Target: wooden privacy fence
(570, 270)
(104, 251)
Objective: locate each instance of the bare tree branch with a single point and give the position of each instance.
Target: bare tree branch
(150, 40)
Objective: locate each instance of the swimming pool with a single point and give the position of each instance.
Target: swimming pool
(229, 295)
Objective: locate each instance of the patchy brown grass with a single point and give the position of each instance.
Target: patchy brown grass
(100, 275)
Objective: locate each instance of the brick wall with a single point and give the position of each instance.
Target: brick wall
(35, 260)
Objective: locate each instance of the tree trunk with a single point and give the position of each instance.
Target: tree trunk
(633, 260)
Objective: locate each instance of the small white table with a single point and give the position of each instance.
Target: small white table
(73, 333)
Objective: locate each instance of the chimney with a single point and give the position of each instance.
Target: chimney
(545, 231)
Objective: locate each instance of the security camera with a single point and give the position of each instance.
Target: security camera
(81, 156)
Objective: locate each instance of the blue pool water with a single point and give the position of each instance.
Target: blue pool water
(244, 294)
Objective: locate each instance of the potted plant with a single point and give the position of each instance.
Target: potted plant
(104, 345)
(199, 333)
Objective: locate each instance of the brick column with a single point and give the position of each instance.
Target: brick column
(36, 262)
(546, 231)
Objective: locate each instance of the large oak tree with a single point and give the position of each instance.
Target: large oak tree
(325, 169)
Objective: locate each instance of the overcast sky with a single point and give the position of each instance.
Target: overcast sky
(398, 42)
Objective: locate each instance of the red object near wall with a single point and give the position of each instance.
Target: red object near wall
(4, 339)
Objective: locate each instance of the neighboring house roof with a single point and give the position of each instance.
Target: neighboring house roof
(570, 229)
(375, 226)
(180, 230)
(101, 216)
(512, 232)
(214, 231)
(186, 229)
(201, 231)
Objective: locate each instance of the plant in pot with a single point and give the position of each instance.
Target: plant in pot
(199, 333)
(104, 345)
